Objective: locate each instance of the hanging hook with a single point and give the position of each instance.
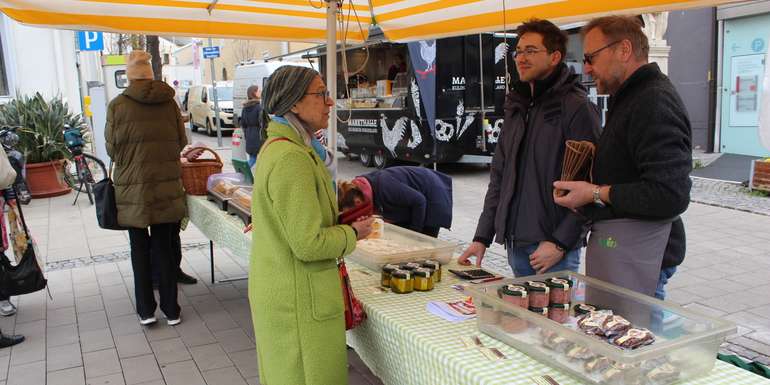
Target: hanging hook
(211, 6)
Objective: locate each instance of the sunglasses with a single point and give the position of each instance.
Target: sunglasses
(325, 93)
(589, 57)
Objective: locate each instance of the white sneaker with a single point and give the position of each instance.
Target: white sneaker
(147, 321)
(7, 308)
(176, 321)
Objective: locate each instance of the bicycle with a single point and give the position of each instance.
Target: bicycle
(84, 169)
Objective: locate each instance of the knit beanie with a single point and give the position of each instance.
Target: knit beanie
(139, 66)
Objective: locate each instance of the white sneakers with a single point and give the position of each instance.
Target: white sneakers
(152, 320)
(7, 308)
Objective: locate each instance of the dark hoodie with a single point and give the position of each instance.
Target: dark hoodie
(145, 135)
(251, 124)
(528, 159)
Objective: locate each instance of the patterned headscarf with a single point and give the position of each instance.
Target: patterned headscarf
(285, 87)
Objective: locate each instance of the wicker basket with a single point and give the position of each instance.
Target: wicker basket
(196, 172)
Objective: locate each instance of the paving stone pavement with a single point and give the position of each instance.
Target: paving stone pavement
(88, 332)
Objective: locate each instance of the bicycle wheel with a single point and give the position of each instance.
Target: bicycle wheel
(71, 176)
(92, 170)
(96, 168)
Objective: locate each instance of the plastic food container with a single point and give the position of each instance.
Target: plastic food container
(685, 345)
(399, 245)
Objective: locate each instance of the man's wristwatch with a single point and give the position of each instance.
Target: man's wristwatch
(597, 197)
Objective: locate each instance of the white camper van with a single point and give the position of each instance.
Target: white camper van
(200, 104)
(253, 73)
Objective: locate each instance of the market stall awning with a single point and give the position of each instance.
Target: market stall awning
(286, 20)
(305, 20)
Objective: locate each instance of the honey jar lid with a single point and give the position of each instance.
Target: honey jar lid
(514, 290)
(389, 268)
(422, 272)
(537, 286)
(409, 266)
(431, 263)
(402, 274)
(563, 283)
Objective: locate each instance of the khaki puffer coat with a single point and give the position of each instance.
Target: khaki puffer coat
(145, 135)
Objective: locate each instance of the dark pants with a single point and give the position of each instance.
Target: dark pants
(431, 231)
(157, 245)
(176, 245)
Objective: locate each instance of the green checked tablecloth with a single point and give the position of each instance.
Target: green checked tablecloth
(403, 344)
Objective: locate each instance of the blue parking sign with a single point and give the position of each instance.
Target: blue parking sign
(90, 41)
(210, 52)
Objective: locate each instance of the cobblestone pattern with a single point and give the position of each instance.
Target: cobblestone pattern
(728, 195)
(106, 258)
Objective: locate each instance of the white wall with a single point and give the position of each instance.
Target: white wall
(40, 60)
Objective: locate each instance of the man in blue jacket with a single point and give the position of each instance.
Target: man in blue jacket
(416, 198)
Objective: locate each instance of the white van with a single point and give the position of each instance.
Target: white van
(253, 73)
(200, 105)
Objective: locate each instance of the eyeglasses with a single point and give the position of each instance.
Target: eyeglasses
(325, 93)
(527, 52)
(589, 57)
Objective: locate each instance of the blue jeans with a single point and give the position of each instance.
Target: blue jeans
(518, 258)
(665, 275)
(252, 161)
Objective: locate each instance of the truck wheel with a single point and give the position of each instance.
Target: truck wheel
(381, 160)
(366, 158)
(209, 130)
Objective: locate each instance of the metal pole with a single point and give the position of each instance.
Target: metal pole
(216, 99)
(331, 78)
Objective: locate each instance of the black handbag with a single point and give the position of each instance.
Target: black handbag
(27, 276)
(106, 207)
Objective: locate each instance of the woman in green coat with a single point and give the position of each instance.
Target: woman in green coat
(294, 287)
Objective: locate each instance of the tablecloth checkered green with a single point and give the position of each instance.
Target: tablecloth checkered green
(404, 344)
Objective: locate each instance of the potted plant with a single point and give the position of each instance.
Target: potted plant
(41, 140)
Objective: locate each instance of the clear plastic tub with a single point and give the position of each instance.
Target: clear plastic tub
(401, 245)
(686, 342)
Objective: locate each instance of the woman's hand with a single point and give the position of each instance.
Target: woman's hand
(363, 227)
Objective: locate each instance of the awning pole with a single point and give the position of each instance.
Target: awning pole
(331, 78)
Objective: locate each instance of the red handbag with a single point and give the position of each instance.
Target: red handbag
(354, 310)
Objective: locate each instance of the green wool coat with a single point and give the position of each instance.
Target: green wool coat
(145, 135)
(294, 287)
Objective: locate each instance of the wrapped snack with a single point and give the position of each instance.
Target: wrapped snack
(597, 364)
(591, 323)
(515, 294)
(584, 308)
(538, 294)
(557, 343)
(615, 325)
(559, 312)
(624, 374)
(242, 197)
(663, 374)
(510, 323)
(560, 290)
(577, 352)
(634, 338)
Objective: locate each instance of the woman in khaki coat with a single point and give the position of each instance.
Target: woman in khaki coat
(145, 135)
(294, 287)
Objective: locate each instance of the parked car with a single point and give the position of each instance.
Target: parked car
(200, 105)
(253, 73)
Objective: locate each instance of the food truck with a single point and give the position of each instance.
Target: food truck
(434, 101)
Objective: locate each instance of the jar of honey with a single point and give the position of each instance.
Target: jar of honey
(401, 281)
(387, 270)
(436, 267)
(423, 279)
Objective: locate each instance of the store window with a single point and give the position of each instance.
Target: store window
(3, 74)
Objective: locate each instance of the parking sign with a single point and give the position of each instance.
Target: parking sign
(210, 52)
(90, 41)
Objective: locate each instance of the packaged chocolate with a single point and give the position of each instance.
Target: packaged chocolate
(663, 374)
(538, 294)
(560, 290)
(556, 342)
(515, 294)
(597, 364)
(583, 308)
(615, 325)
(577, 352)
(591, 323)
(634, 338)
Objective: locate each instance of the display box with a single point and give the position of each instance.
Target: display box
(685, 346)
(760, 175)
(408, 246)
